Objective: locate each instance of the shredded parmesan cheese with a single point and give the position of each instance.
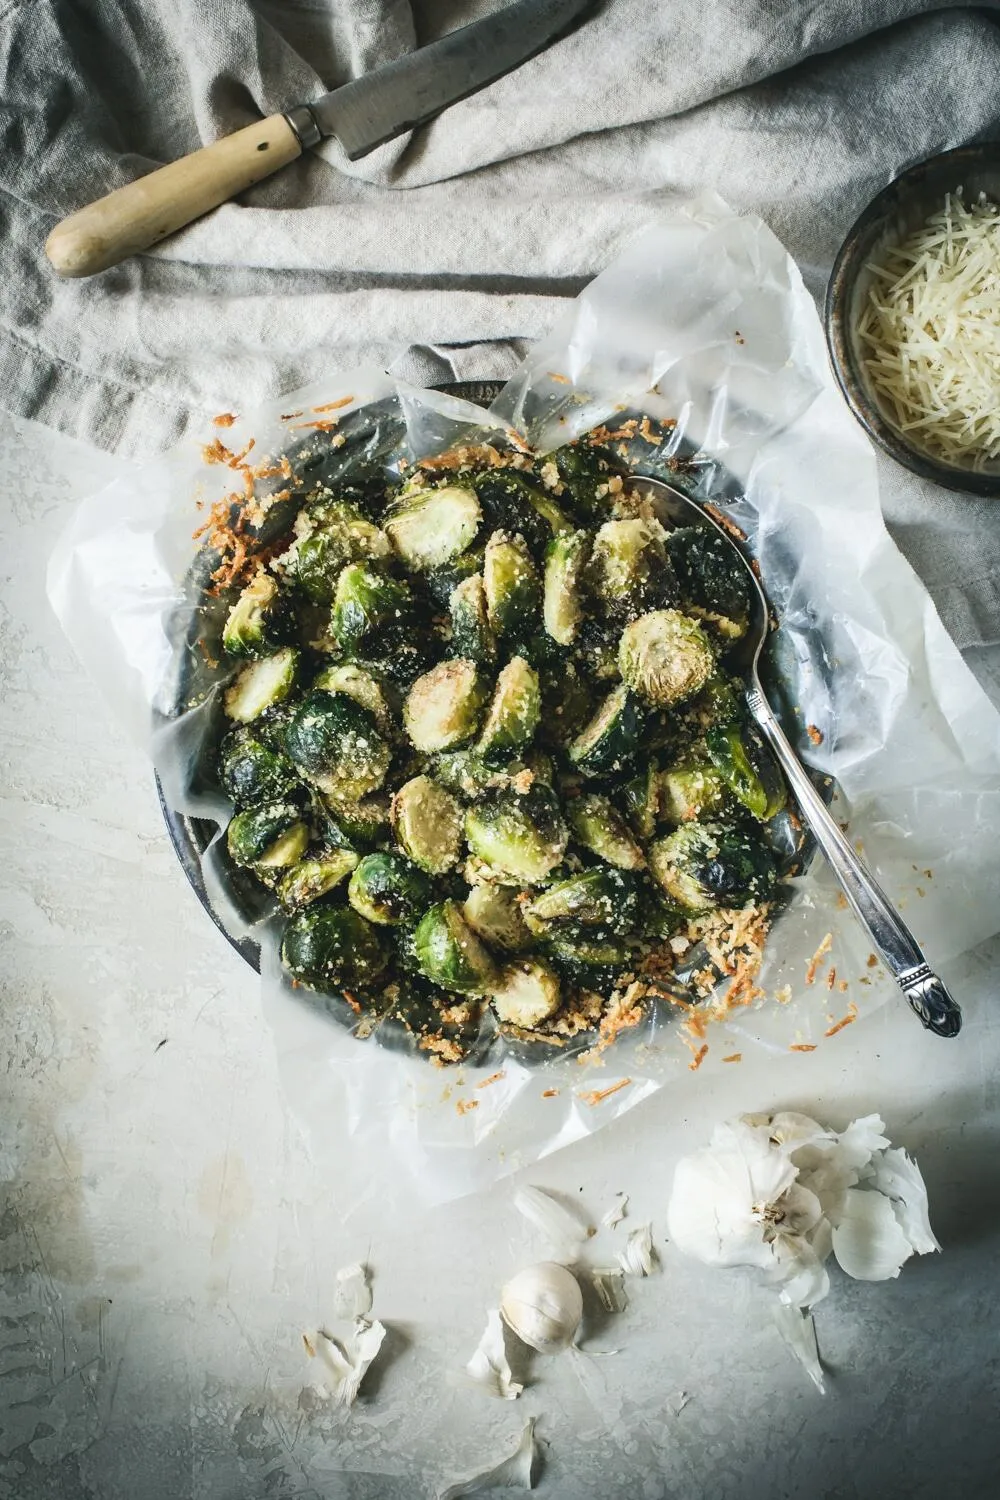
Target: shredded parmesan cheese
(931, 332)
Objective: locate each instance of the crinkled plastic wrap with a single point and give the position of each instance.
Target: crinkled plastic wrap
(704, 320)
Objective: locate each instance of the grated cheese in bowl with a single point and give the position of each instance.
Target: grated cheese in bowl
(930, 333)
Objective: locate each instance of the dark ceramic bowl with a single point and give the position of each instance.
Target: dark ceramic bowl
(897, 212)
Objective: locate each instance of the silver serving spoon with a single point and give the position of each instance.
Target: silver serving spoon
(900, 951)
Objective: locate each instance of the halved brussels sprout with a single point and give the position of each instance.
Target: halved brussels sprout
(441, 583)
(330, 538)
(444, 706)
(527, 992)
(513, 504)
(566, 558)
(327, 947)
(712, 578)
(427, 822)
(747, 768)
(429, 527)
(357, 682)
(268, 839)
(356, 824)
(601, 897)
(494, 914)
(513, 591)
(466, 773)
(369, 607)
(261, 685)
(258, 621)
(336, 746)
(629, 572)
(449, 953)
(599, 826)
(519, 835)
(665, 657)
(611, 740)
(707, 865)
(641, 796)
(591, 959)
(513, 714)
(388, 889)
(252, 772)
(471, 632)
(312, 878)
(585, 470)
(567, 703)
(688, 792)
(597, 650)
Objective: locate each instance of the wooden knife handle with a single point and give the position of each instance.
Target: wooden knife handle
(134, 217)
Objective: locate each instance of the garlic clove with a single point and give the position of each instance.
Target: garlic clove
(543, 1305)
(868, 1242)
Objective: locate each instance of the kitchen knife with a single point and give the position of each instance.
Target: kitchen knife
(362, 114)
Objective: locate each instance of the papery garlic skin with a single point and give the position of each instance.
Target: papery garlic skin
(543, 1305)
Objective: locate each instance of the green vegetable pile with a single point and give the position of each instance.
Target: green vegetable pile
(484, 747)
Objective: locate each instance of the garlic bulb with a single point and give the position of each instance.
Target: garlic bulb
(543, 1305)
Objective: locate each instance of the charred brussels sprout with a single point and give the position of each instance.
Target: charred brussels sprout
(585, 471)
(369, 607)
(747, 769)
(601, 897)
(567, 703)
(689, 792)
(326, 947)
(566, 558)
(357, 824)
(610, 742)
(629, 572)
(357, 682)
(513, 504)
(259, 620)
(494, 914)
(388, 889)
(429, 527)
(523, 836)
(641, 799)
(262, 685)
(336, 746)
(444, 706)
(513, 590)
(706, 865)
(526, 993)
(252, 773)
(448, 952)
(513, 714)
(331, 539)
(471, 632)
(442, 582)
(312, 878)
(427, 822)
(591, 959)
(712, 578)
(665, 657)
(268, 839)
(599, 826)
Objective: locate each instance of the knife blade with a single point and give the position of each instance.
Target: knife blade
(361, 114)
(401, 95)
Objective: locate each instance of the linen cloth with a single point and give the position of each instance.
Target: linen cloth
(445, 253)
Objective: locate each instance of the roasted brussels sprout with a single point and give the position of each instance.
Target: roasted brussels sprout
(369, 608)
(567, 703)
(601, 897)
(665, 657)
(259, 620)
(252, 773)
(388, 889)
(513, 714)
(526, 992)
(427, 822)
(357, 682)
(330, 539)
(268, 839)
(312, 878)
(327, 947)
(449, 953)
(566, 558)
(513, 591)
(747, 768)
(429, 527)
(335, 744)
(513, 504)
(467, 774)
(519, 835)
(612, 739)
(444, 706)
(689, 792)
(494, 914)
(357, 824)
(706, 865)
(585, 470)
(629, 572)
(599, 826)
(262, 685)
(711, 578)
(471, 632)
(592, 959)
(641, 798)
(441, 583)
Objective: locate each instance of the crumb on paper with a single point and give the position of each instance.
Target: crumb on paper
(289, 416)
(734, 1057)
(224, 419)
(560, 379)
(816, 735)
(831, 978)
(335, 405)
(852, 1015)
(739, 337)
(842, 986)
(549, 1093)
(463, 1106)
(784, 994)
(699, 1058)
(595, 1096)
(310, 1347)
(928, 874)
(921, 891)
(484, 1083)
(802, 1047)
(820, 953)
(726, 522)
(872, 960)
(841, 901)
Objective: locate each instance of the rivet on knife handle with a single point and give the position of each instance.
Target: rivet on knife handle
(134, 217)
